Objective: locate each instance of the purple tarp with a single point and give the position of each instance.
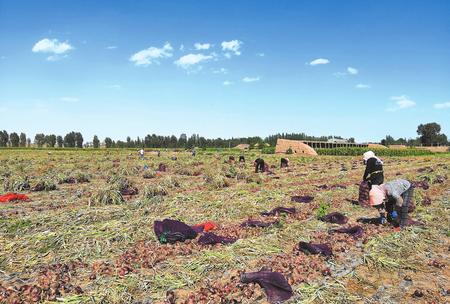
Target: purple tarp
(172, 231)
(274, 284)
(315, 248)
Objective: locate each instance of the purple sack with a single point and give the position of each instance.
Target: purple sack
(315, 248)
(210, 238)
(302, 199)
(354, 231)
(274, 284)
(363, 197)
(172, 231)
(279, 210)
(335, 218)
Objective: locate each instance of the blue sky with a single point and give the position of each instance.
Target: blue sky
(359, 69)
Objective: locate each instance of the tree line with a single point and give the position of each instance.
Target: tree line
(75, 139)
(429, 135)
(70, 140)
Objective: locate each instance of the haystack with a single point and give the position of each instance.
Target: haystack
(296, 146)
(242, 147)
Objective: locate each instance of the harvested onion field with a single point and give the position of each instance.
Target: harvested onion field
(86, 235)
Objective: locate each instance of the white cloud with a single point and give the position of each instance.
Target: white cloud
(231, 47)
(202, 46)
(182, 47)
(260, 54)
(401, 102)
(220, 71)
(111, 47)
(189, 60)
(352, 71)
(319, 61)
(151, 55)
(69, 99)
(53, 47)
(362, 86)
(444, 105)
(349, 71)
(251, 79)
(227, 83)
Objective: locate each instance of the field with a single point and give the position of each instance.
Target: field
(87, 236)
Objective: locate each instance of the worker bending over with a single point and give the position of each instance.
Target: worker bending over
(392, 200)
(259, 165)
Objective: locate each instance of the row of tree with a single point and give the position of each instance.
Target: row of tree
(75, 139)
(429, 135)
(14, 139)
(72, 139)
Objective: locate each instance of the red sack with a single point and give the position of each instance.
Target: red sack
(205, 227)
(12, 197)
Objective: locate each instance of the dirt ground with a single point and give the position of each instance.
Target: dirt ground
(88, 236)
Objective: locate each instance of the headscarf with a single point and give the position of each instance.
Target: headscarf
(376, 195)
(368, 155)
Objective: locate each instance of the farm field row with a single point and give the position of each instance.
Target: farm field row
(86, 235)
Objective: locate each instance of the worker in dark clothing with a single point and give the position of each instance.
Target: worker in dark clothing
(259, 165)
(373, 175)
(374, 169)
(284, 162)
(242, 159)
(392, 200)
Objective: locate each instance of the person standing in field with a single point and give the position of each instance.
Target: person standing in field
(374, 169)
(392, 200)
(373, 175)
(141, 153)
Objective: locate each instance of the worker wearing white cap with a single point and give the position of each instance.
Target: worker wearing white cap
(374, 169)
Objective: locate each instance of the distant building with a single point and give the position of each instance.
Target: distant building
(338, 140)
